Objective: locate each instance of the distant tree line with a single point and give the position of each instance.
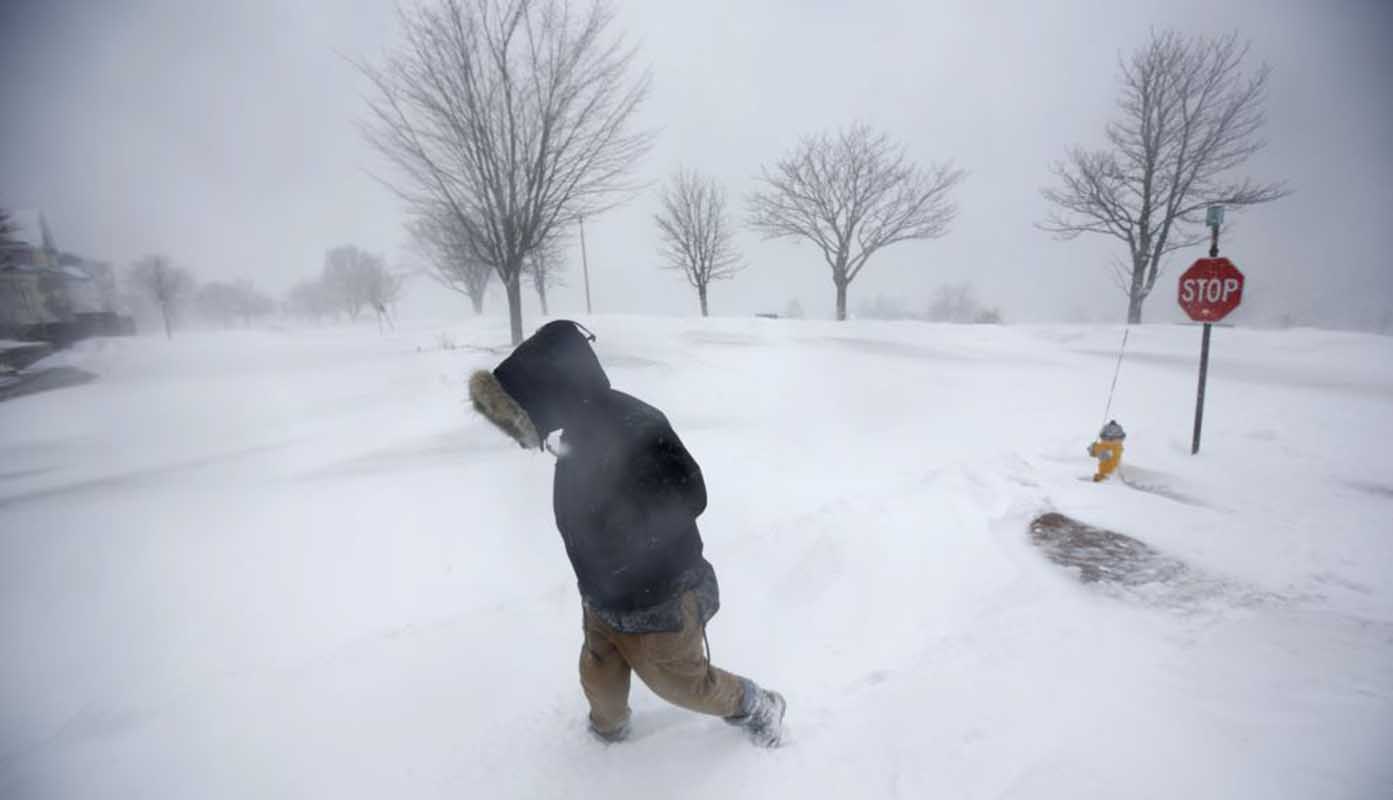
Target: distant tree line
(955, 303)
(352, 283)
(155, 282)
(232, 303)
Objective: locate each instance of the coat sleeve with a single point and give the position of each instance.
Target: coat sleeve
(670, 474)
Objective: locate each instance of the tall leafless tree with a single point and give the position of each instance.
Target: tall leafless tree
(545, 265)
(853, 193)
(696, 234)
(1188, 115)
(515, 115)
(164, 283)
(452, 261)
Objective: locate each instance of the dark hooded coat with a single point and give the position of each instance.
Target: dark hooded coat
(626, 493)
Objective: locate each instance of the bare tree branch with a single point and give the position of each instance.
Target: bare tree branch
(852, 194)
(1187, 116)
(696, 233)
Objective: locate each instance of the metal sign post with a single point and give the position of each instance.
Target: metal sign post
(1209, 290)
(1199, 394)
(1214, 216)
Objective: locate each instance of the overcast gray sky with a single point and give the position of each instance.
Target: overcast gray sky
(223, 134)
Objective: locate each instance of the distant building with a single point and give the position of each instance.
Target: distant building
(43, 288)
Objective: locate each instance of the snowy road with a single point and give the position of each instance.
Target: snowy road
(297, 565)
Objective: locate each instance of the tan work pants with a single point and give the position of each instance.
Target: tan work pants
(673, 665)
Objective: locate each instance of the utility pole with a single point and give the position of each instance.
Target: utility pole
(585, 265)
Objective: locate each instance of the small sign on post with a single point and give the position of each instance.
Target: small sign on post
(1209, 291)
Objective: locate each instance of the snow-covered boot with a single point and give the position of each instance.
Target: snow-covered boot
(615, 736)
(761, 715)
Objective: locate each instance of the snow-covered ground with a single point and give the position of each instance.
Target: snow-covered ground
(298, 565)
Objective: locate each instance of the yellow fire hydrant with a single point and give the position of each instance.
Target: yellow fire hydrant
(1108, 449)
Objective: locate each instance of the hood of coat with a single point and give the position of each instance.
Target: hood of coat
(548, 381)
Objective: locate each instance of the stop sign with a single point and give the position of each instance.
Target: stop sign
(1210, 289)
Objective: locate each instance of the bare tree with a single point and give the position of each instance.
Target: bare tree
(350, 277)
(165, 284)
(515, 115)
(453, 262)
(1187, 116)
(545, 265)
(697, 237)
(852, 194)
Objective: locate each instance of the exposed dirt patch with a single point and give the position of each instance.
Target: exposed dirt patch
(1132, 570)
(1101, 555)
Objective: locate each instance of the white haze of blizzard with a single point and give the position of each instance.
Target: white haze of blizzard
(297, 565)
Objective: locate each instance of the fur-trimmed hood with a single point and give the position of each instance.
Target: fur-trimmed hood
(547, 381)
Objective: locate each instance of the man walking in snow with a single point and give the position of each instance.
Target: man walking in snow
(626, 496)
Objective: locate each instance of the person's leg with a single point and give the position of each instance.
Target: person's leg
(604, 676)
(675, 666)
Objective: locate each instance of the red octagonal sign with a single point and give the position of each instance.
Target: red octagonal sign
(1210, 289)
